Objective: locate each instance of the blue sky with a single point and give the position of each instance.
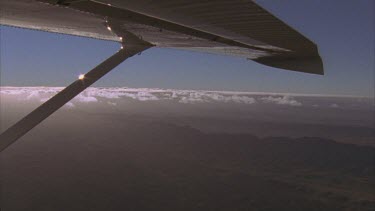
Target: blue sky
(343, 30)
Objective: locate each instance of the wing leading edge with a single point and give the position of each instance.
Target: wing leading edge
(237, 27)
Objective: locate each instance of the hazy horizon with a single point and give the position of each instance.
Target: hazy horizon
(247, 111)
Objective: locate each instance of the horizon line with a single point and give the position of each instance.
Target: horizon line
(209, 91)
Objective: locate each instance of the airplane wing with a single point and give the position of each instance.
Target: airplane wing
(232, 27)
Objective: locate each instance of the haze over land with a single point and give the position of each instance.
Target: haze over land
(157, 149)
(343, 118)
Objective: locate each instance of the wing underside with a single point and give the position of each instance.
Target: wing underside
(237, 27)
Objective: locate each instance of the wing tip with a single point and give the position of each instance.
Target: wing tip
(311, 64)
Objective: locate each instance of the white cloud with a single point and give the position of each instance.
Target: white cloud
(145, 96)
(192, 97)
(94, 94)
(190, 100)
(284, 100)
(85, 99)
(204, 96)
(33, 95)
(243, 99)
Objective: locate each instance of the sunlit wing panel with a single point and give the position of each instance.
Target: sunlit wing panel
(235, 27)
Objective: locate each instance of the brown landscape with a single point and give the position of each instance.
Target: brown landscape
(161, 155)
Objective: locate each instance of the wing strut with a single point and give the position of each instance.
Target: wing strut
(19, 129)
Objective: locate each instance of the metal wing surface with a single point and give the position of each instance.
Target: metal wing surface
(232, 27)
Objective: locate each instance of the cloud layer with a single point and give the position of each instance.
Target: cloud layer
(93, 95)
(110, 95)
(284, 100)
